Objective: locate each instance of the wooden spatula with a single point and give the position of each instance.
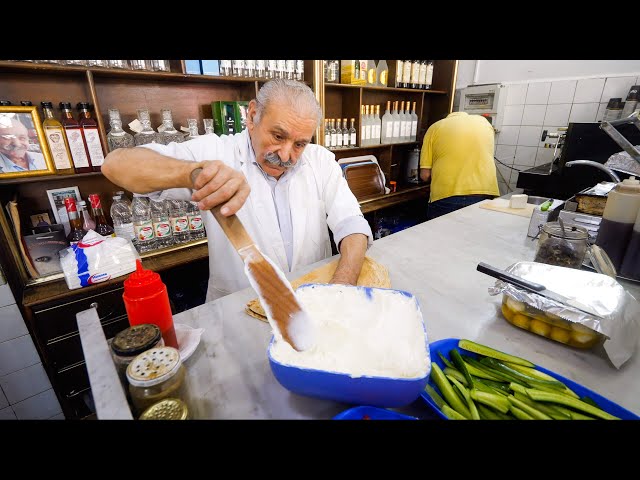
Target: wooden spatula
(283, 310)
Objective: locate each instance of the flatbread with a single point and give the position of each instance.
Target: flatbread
(372, 275)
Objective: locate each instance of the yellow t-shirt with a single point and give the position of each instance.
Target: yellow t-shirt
(459, 151)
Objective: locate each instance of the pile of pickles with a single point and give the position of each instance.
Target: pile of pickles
(548, 325)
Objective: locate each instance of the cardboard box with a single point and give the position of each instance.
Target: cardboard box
(348, 72)
(44, 248)
(192, 67)
(210, 67)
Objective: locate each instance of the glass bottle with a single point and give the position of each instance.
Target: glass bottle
(169, 134)
(367, 125)
(281, 69)
(327, 133)
(179, 221)
(161, 225)
(77, 233)
(372, 73)
(338, 134)
(299, 70)
(345, 134)
(139, 65)
(415, 74)
(117, 137)
(237, 68)
(192, 124)
(333, 69)
(121, 216)
(377, 126)
(414, 124)
(272, 68)
(395, 138)
(429, 79)
(102, 226)
(422, 77)
(142, 224)
(73, 132)
(387, 125)
(352, 134)
(118, 64)
(97, 63)
(147, 134)
(79, 63)
(382, 73)
(225, 68)
(261, 68)
(196, 225)
(399, 72)
(290, 69)
(56, 140)
(87, 222)
(363, 124)
(334, 134)
(404, 123)
(208, 126)
(91, 136)
(160, 65)
(250, 68)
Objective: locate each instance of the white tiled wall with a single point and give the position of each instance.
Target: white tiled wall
(25, 390)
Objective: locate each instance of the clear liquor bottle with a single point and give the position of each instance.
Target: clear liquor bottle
(387, 125)
(139, 65)
(406, 73)
(299, 70)
(414, 124)
(261, 68)
(192, 124)
(395, 137)
(272, 68)
(97, 63)
(208, 126)
(169, 133)
(422, 78)
(363, 127)
(118, 64)
(117, 137)
(405, 123)
(334, 134)
(91, 136)
(56, 140)
(225, 68)
(372, 73)
(159, 65)
(382, 73)
(429, 79)
(367, 124)
(399, 72)
(338, 134)
(75, 140)
(147, 134)
(352, 134)
(290, 69)
(327, 133)
(376, 129)
(415, 74)
(281, 69)
(345, 134)
(250, 68)
(237, 68)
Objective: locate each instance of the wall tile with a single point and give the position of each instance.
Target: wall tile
(589, 90)
(59, 416)
(508, 135)
(544, 155)
(529, 136)
(39, 407)
(11, 323)
(512, 114)
(557, 114)
(3, 400)
(25, 383)
(525, 156)
(6, 297)
(538, 93)
(7, 414)
(533, 114)
(617, 87)
(583, 112)
(17, 354)
(516, 94)
(505, 153)
(562, 92)
(601, 108)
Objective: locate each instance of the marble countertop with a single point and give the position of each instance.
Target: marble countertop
(229, 375)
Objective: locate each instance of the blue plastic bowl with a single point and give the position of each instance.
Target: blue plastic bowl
(371, 413)
(341, 387)
(444, 346)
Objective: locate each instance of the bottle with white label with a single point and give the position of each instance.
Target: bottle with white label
(399, 72)
(403, 123)
(91, 136)
(179, 221)
(382, 73)
(429, 79)
(338, 134)
(334, 134)
(142, 224)
(352, 134)
(345, 134)
(327, 133)
(406, 73)
(75, 140)
(196, 224)
(377, 127)
(414, 124)
(387, 125)
(56, 140)
(161, 225)
(415, 74)
(363, 121)
(368, 117)
(422, 77)
(122, 217)
(397, 121)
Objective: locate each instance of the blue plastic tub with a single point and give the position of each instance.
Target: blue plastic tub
(371, 413)
(341, 387)
(447, 344)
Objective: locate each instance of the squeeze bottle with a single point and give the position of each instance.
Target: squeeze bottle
(147, 301)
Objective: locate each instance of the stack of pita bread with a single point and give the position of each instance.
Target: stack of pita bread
(372, 275)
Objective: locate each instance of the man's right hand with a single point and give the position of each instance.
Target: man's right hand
(217, 184)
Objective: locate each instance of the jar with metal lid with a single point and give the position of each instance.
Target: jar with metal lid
(131, 342)
(167, 409)
(564, 247)
(155, 375)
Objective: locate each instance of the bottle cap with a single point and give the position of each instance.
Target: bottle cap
(82, 105)
(142, 283)
(64, 105)
(167, 409)
(134, 340)
(153, 366)
(629, 185)
(26, 103)
(46, 104)
(5, 103)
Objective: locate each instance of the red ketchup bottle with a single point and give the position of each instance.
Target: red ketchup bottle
(147, 301)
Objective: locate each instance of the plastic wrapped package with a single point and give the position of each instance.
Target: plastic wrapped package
(96, 259)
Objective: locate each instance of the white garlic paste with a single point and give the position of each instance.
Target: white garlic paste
(359, 334)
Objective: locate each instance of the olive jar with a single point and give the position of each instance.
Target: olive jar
(131, 342)
(155, 375)
(562, 247)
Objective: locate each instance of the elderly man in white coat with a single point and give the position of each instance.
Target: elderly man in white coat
(284, 189)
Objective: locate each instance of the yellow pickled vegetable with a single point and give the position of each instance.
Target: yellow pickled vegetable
(560, 334)
(540, 327)
(515, 305)
(508, 314)
(521, 321)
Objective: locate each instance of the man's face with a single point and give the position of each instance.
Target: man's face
(14, 140)
(280, 137)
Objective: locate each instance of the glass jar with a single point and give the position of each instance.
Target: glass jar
(155, 375)
(167, 409)
(131, 342)
(562, 247)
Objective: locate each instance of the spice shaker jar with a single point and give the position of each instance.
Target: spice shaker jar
(562, 247)
(131, 342)
(155, 375)
(167, 409)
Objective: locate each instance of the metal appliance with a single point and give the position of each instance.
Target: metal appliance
(487, 100)
(412, 166)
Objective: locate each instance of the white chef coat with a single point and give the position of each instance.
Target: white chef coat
(319, 196)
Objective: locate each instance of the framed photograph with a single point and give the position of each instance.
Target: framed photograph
(40, 220)
(56, 199)
(23, 147)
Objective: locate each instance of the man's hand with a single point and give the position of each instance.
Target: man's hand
(218, 183)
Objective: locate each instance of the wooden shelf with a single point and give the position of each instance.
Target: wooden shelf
(390, 199)
(385, 89)
(367, 147)
(56, 288)
(47, 178)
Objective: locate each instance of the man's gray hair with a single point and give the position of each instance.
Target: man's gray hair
(291, 92)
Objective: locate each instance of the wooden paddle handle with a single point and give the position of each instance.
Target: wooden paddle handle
(231, 225)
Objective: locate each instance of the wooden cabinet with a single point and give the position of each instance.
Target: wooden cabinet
(47, 305)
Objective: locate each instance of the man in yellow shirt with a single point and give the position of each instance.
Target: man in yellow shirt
(457, 155)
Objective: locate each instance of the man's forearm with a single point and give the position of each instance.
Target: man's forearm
(352, 251)
(142, 170)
